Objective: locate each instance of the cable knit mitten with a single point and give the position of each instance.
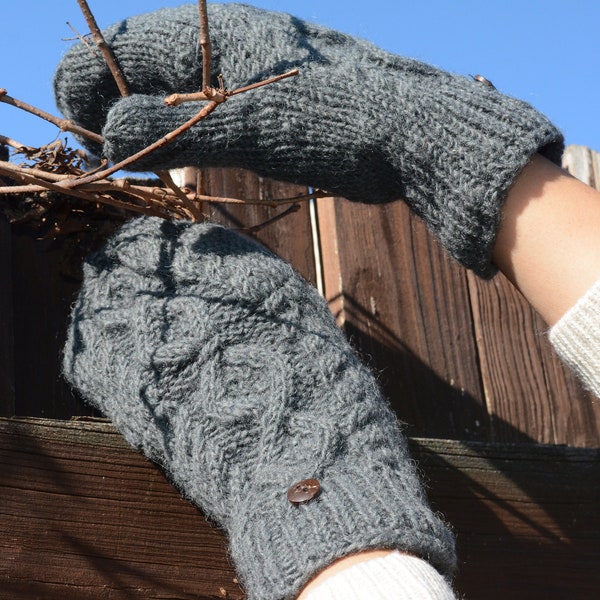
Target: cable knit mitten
(358, 121)
(224, 366)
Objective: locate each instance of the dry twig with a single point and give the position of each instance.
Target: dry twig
(107, 53)
(81, 39)
(292, 209)
(59, 173)
(38, 181)
(190, 206)
(261, 202)
(6, 141)
(62, 124)
(165, 140)
(220, 95)
(205, 44)
(119, 77)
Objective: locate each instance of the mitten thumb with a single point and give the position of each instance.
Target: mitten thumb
(137, 121)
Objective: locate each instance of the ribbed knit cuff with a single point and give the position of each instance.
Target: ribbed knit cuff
(477, 143)
(396, 576)
(576, 338)
(283, 546)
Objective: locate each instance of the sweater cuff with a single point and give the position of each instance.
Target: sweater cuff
(393, 576)
(576, 338)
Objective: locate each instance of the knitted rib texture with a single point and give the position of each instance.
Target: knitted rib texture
(576, 338)
(396, 576)
(358, 121)
(220, 363)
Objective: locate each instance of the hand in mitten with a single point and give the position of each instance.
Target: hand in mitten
(220, 363)
(358, 121)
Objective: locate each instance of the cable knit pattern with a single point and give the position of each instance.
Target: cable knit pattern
(358, 121)
(576, 338)
(219, 362)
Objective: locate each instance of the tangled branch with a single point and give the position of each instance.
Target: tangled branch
(42, 183)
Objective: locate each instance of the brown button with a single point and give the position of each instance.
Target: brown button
(483, 80)
(304, 491)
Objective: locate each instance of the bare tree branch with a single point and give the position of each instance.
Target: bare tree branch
(292, 209)
(191, 207)
(119, 77)
(62, 124)
(208, 95)
(107, 53)
(46, 175)
(94, 186)
(82, 40)
(154, 208)
(222, 95)
(261, 202)
(19, 174)
(22, 189)
(6, 141)
(164, 141)
(260, 84)
(205, 45)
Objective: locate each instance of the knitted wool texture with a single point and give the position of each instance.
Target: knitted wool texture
(358, 121)
(220, 363)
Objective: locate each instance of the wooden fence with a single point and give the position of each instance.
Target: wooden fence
(508, 440)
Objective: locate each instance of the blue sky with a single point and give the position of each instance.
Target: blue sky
(545, 52)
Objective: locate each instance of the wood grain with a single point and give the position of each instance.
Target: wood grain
(290, 238)
(529, 393)
(84, 517)
(526, 516)
(7, 338)
(458, 357)
(405, 305)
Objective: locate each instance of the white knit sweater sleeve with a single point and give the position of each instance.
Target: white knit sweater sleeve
(393, 577)
(576, 338)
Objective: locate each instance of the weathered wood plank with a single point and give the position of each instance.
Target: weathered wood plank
(405, 306)
(84, 517)
(526, 516)
(529, 393)
(7, 361)
(42, 297)
(290, 238)
(583, 163)
(431, 316)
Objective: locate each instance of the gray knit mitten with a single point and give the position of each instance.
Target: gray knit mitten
(221, 364)
(358, 121)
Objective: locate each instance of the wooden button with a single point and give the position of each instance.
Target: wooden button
(304, 491)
